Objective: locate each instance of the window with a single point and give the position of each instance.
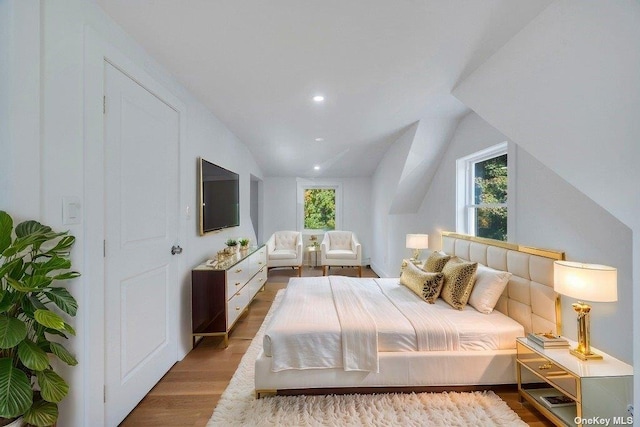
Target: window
(483, 181)
(320, 209)
(319, 205)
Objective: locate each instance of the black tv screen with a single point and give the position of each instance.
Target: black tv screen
(219, 197)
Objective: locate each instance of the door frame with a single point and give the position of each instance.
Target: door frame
(96, 53)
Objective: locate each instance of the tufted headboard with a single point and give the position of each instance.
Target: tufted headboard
(529, 297)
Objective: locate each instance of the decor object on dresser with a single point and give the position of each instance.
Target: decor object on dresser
(417, 242)
(222, 290)
(34, 269)
(597, 390)
(585, 282)
(340, 249)
(284, 249)
(244, 243)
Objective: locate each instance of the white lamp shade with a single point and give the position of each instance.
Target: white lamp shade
(417, 241)
(586, 282)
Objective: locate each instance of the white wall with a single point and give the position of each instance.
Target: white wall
(280, 207)
(44, 160)
(566, 89)
(549, 213)
(384, 183)
(20, 107)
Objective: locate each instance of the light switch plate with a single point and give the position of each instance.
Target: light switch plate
(71, 210)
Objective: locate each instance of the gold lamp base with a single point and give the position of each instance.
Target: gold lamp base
(583, 351)
(591, 356)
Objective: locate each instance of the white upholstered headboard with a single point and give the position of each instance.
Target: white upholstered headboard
(529, 297)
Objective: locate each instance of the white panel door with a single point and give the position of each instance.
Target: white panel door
(141, 225)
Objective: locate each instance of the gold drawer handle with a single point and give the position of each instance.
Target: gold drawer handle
(237, 283)
(237, 308)
(545, 366)
(260, 262)
(239, 270)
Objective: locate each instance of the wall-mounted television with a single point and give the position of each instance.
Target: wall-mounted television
(219, 192)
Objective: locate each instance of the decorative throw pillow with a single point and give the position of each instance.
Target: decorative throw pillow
(425, 285)
(490, 284)
(459, 277)
(436, 262)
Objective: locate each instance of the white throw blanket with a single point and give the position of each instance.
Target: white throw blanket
(359, 333)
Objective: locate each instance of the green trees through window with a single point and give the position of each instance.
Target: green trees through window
(490, 198)
(320, 208)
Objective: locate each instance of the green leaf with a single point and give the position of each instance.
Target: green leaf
(63, 354)
(20, 286)
(12, 331)
(67, 276)
(16, 396)
(64, 244)
(6, 226)
(63, 299)
(54, 332)
(32, 356)
(69, 328)
(8, 267)
(49, 319)
(31, 227)
(36, 304)
(52, 387)
(53, 264)
(42, 413)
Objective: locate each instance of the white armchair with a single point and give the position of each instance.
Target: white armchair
(284, 249)
(340, 248)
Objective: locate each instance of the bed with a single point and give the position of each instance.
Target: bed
(310, 344)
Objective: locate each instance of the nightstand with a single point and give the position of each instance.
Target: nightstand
(601, 389)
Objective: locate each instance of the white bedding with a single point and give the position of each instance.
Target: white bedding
(305, 331)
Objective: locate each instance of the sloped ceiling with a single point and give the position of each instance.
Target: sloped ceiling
(382, 65)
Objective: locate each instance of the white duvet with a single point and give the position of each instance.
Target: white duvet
(341, 322)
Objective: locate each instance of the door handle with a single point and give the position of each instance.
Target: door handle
(176, 250)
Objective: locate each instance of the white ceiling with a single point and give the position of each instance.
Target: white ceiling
(382, 65)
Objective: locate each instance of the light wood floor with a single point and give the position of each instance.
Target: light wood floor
(188, 393)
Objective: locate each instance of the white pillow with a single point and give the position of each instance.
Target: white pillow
(489, 286)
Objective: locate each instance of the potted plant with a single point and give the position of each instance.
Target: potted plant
(33, 261)
(231, 244)
(244, 244)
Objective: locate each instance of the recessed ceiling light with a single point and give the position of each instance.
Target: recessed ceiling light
(319, 139)
(318, 98)
(316, 167)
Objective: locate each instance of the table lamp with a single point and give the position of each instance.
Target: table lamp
(585, 282)
(417, 242)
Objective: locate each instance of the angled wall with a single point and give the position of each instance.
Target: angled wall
(566, 90)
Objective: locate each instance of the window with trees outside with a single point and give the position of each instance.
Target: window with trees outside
(482, 193)
(320, 208)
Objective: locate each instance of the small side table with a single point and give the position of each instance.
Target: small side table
(312, 250)
(600, 389)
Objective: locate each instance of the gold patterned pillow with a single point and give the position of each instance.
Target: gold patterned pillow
(459, 278)
(436, 262)
(425, 285)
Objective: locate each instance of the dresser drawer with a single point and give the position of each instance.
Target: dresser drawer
(548, 371)
(236, 305)
(237, 276)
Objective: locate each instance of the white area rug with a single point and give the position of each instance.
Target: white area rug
(238, 406)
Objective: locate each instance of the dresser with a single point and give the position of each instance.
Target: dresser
(598, 390)
(222, 291)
